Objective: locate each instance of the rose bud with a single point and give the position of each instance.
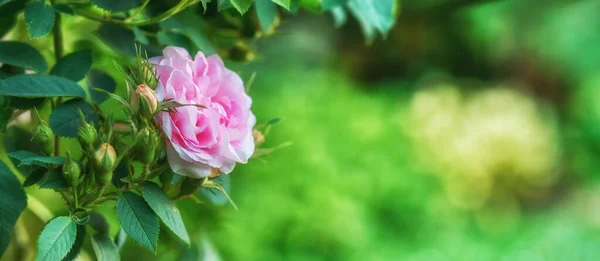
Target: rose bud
(143, 101)
(87, 135)
(71, 171)
(44, 136)
(147, 145)
(105, 160)
(258, 137)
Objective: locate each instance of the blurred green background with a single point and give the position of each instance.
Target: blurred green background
(472, 132)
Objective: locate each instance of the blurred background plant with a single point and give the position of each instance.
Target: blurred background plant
(470, 132)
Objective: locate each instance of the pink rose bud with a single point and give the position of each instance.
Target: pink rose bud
(143, 101)
(105, 159)
(202, 139)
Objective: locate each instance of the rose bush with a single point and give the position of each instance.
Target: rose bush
(210, 138)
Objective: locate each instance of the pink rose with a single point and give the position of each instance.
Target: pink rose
(201, 139)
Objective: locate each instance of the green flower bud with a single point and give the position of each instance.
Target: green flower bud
(147, 145)
(87, 135)
(71, 171)
(143, 101)
(190, 185)
(106, 158)
(44, 136)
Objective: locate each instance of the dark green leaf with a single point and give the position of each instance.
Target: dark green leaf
(165, 209)
(8, 13)
(66, 120)
(241, 5)
(36, 85)
(34, 177)
(22, 55)
(39, 18)
(117, 5)
(12, 203)
(25, 103)
(176, 39)
(56, 239)
(105, 248)
(41, 160)
(31, 158)
(138, 220)
(117, 38)
(98, 222)
(189, 23)
(54, 180)
(74, 252)
(283, 3)
(64, 8)
(121, 171)
(100, 80)
(73, 66)
(329, 4)
(266, 12)
(5, 111)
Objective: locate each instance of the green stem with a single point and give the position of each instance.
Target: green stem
(58, 54)
(75, 196)
(138, 11)
(182, 5)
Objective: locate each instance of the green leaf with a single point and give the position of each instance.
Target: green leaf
(330, 4)
(30, 158)
(8, 14)
(165, 209)
(105, 248)
(339, 16)
(117, 38)
(283, 3)
(66, 120)
(374, 15)
(22, 55)
(36, 85)
(241, 5)
(41, 160)
(138, 220)
(73, 66)
(188, 22)
(39, 18)
(34, 177)
(56, 239)
(176, 39)
(12, 202)
(120, 238)
(214, 195)
(54, 180)
(266, 12)
(140, 36)
(25, 103)
(100, 80)
(99, 223)
(79, 239)
(117, 5)
(224, 4)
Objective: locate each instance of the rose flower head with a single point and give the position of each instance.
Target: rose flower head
(216, 134)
